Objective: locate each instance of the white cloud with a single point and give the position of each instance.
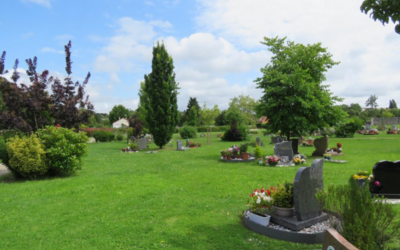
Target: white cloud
(364, 47)
(51, 50)
(27, 35)
(45, 3)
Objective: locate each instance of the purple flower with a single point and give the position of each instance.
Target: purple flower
(377, 183)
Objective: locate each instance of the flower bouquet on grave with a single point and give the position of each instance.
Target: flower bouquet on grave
(235, 151)
(327, 156)
(360, 177)
(272, 161)
(299, 159)
(260, 206)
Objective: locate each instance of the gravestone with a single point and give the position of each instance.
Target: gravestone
(387, 173)
(258, 140)
(393, 127)
(307, 209)
(262, 144)
(187, 142)
(321, 145)
(284, 149)
(295, 146)
(142, 143)
(368, 126)
(179, 145)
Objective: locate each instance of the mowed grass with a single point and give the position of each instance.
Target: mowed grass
(171, 199)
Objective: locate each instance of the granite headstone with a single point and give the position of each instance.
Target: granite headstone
(284, 149)
(394, 127)
(321, 145)
(187, 142)
(387, 173)
(368, 126)
(295, 146)
(179, 145)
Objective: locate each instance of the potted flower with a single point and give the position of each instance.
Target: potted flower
(223, 154)
(361, 177)
(272, 160)
(134, 146)
(260, 206)
(283, 199)
(192, 144)
(243, 151)
(236, 151)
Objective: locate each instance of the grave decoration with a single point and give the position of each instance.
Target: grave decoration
(307, 210)
(132, 147)
(392, 131)
(260, 206)
(335, 150)
(192, 144)
(299, 159)
(236, 154)
(272, 161)
(371, 132)
(361, 177)
(308, 143)
(385, 179)
(321, 145)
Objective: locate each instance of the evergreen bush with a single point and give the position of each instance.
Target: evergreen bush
(64, 149)
(188, 132)
(236, 134)
(257, 152)
(27, 157)
(349, 128)
(3, 151)
(364, 220)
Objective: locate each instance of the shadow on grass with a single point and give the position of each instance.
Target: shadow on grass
(11, 178)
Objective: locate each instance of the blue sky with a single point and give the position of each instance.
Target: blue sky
(215, 45)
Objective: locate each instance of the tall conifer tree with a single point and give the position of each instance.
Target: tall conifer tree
(161, 94)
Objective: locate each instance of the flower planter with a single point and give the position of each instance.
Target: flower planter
(245, 156)
(283, 211)
(238, 157)
(228, 157)
(262, 219)
(361, 182)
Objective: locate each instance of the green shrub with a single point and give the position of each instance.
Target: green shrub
(103, 136)
(364, 220)
(64, 149)
(349, 128)
(27, 157)
(202, 129)
(188, 132)
(239, 134)
(3, 151)
(283, 196)
(257, 152)
(119, 137)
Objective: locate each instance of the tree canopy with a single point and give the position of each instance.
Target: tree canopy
(246, 105)
(294, 98)
(384, 11)
(371, 101)
(208, 115)
(118, 112)
(161, 96)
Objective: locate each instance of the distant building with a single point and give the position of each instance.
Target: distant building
(121, 123)
(261, 121)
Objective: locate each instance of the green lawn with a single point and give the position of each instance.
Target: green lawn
(171, 199)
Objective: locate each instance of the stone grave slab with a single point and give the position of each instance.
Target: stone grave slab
(388, 175)
(321, 145)
(142, 143)
(284, 149)
(179, 146)
(307, 209)
(295, 146)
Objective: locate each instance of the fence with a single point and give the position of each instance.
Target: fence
(385, 121)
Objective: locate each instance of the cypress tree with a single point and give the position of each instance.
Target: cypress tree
(161, 94)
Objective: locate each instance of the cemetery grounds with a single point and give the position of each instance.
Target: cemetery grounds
(169, 199)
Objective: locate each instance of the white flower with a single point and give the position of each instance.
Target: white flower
(258, 200)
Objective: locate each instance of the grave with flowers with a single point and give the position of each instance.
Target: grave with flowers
(307, 224)
(236, 154)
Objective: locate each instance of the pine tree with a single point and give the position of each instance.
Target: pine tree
(161, 91)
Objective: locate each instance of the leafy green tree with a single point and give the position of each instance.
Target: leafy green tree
(141, 110)
(220, 120)
(118, 112)
(387, 114)
(191, 119)
(192, 103)
(294, 98)
(392, 104)
(354, 110)
(384, 11)
(371, 101)
(208, 115)
(247, 106)
(161, 91)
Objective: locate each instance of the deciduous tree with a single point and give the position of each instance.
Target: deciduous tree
(384, 11)
(118, 112)
(371, 101)
(295, 100)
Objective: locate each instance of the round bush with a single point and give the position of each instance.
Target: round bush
(3, 151)
(64, 149)
(27, 157)
(188, 132)
(103, 136)
(239, 134)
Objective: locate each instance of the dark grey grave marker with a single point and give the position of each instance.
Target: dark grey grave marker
(284, 149)
(387, 173)
(258, 140)
(307, 209)
(295, 146)
(187, 142)
(321, 145)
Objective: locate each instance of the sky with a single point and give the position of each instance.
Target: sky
(215, 45)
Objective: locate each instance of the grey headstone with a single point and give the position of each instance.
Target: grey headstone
(142, 143)
(306, 183)
(258, 140)
(394, 127)
(262, 144)
(187, 142)
(284, 149)
(387, 173)
(295, 146)
(368, 126)
(179, 145)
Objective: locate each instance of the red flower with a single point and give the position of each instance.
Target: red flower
(256, 190)
(339, 145)
(268, 192)
(262, 190)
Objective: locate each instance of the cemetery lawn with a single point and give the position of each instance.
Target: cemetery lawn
(171, 199)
